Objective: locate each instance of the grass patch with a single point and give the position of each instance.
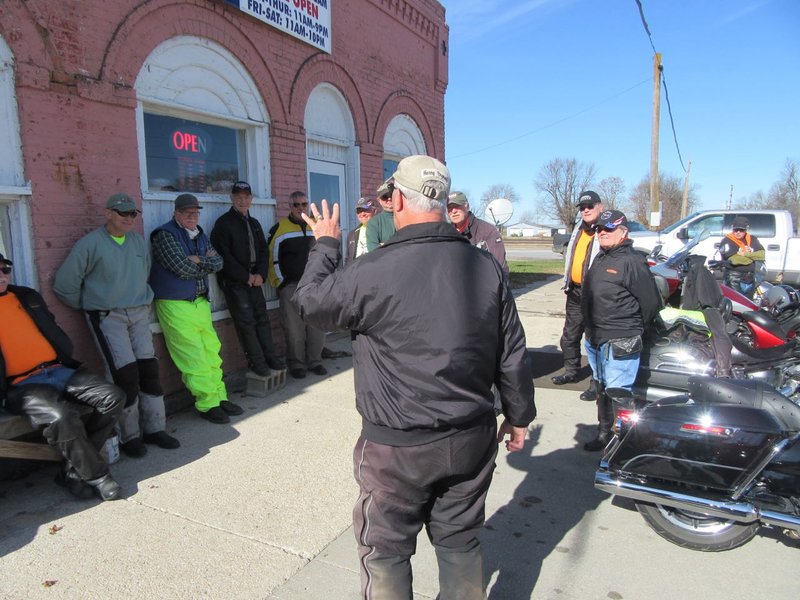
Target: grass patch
(524, 272)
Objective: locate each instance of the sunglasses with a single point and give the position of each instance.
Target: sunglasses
(299, 204)
(739, 229)
(131, 213)
(363, 210)
(5, 270)
(585, 206)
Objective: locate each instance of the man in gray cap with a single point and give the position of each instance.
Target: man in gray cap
(479, 233)
(105, 275)
(434, 325)
(183, 257)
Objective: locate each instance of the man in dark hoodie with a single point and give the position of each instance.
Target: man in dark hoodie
(619, 300)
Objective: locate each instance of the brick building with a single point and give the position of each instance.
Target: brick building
(154, 97)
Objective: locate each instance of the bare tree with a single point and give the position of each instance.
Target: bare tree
(755, 201)
(611, 190)
(498, 190)
(785, 194)
(670, 192)
(529, 217)
(560, 181)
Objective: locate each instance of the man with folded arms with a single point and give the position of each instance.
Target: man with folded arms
(40, 379)
(183, 257)
(105, 275)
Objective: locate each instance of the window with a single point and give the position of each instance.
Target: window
(389, 167)
(760, 225)
(190, 156)
(712, 222)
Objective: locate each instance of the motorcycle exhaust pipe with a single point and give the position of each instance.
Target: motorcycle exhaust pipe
(738, 511)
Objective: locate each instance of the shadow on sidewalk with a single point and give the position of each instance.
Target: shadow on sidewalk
(553, 498)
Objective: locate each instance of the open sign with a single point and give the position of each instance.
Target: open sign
(190, 141)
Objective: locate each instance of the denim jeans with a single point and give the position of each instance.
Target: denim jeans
(610, 371)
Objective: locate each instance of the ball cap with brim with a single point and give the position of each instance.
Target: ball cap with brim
(121, 203)
(740, 223)
(187, 201)
(611, 219)
(241, 187)
(424, 174)
(457, 198)
(4, 260)
(588, 197)
(385, 189)
(363, 204)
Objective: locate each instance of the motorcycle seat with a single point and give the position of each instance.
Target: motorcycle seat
(746, 392)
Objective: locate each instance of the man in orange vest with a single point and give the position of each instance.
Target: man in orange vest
(744, 255)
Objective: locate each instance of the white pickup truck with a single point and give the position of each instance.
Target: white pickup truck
(773, 228)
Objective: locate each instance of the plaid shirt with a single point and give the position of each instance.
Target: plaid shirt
(168, 251)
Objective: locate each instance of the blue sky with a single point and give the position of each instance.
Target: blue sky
(534, 80)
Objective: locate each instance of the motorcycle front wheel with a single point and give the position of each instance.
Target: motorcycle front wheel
(694, 530)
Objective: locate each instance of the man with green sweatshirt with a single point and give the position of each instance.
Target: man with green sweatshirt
(105, 275)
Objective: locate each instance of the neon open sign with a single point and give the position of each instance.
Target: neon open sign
(189, 141)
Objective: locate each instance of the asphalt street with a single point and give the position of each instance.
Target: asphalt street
(261, 509)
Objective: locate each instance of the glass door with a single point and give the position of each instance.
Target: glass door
(326, 181)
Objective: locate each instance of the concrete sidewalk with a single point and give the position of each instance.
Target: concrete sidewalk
(262, 509)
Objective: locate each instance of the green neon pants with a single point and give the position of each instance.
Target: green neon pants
(194, 348)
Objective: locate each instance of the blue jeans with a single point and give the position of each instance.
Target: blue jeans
(56, 376)
(610, 371)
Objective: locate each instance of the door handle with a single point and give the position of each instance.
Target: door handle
(773, 247)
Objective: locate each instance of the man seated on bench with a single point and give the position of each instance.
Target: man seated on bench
(39, 379)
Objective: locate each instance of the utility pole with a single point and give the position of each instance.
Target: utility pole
(655, 213)
(730, 199)
(685, 203)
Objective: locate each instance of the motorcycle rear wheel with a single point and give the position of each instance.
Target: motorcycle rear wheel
(694, 530)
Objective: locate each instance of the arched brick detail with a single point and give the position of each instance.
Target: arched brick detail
(321, 69)
(401, 102)
(26, 37)
(152, 23)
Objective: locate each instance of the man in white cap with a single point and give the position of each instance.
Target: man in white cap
(434, 326)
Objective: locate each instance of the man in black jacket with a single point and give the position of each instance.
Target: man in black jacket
(240, 241)
(619, 300)
(434, 325)
(40, 379)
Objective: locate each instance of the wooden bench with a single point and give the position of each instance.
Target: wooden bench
(15, 426)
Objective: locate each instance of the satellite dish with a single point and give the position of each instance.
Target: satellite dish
(500, 210)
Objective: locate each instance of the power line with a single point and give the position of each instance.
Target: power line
(556, 122)
(663, 81)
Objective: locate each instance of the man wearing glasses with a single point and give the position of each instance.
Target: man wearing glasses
(40, 379)
(105, 275)
(290, 241)
(183, 258)
(744, 255)
(619, 300)
(382, 227)
(582, 249)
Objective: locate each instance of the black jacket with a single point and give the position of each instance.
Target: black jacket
(229, 238)
(34, 305)
(434, 325)
(619, 296)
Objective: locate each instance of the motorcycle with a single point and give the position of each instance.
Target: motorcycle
(708, 468)
(749, 343)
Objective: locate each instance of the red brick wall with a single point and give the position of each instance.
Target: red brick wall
(76, 63)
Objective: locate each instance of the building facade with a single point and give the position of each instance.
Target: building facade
(158, 97)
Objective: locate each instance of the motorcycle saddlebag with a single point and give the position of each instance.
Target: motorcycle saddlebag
(708, 445)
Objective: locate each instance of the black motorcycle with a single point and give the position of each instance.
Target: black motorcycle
(708, 468)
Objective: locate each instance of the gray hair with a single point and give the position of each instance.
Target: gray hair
(419, 203)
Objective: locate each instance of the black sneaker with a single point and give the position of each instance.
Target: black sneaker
(564, 379)
(134, 448)
(215, 415)
(276, 363)
(231, 408)
(161, 439)
(297, 373)
(319, 370)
